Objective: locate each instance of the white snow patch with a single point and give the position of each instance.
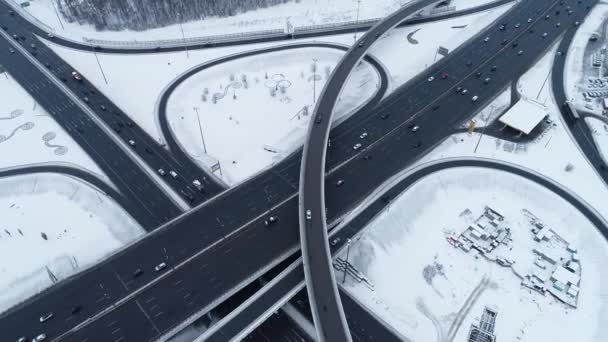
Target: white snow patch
(248, 130)
(405, 60)
(82, 225)
(26, 129)
(409, 235)
(599, 130)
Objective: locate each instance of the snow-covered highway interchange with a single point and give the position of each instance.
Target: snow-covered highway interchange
(151, 189)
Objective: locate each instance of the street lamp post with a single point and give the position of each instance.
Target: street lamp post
(314, 81)
(99, 64)
(57, 14)
(357, 21)
(181, 28)
(200, 127)
(346, 264)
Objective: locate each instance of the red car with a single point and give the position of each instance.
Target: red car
(444, 76)
(76, 76)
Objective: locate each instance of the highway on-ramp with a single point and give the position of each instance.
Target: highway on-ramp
(325, 303)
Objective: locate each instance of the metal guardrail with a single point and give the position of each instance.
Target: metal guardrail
(136, 44)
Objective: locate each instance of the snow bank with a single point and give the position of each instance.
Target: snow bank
(28, 135)
(247, 129)
(57, 226)
(409, 236)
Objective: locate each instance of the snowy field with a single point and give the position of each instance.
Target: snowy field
(405, 58)
(57, 226)
(28, 135)
(409, 237)
(576, 65)
(553, 153)
(599, 130)
(268, 127)
(296, 13)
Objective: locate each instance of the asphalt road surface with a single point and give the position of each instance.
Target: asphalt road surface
(212, 252)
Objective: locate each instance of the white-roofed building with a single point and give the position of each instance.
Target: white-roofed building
(524, 116)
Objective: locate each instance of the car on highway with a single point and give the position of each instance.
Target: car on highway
(357, 146)
(22, 339)
(487, 80)
(308, 214)
(76, 76)
(384, 116)
(520, 52)
(103, 108)
(544, 35)
(431, 78)
(50, 35)
(11, 50)
(132, 143)
(46, 317)
(39, 338)
(335, 241)
(187, 195)
(502, 27)
(137, 273)
(270, 221)
(464, 91)
(362, 43)
(340, 182)
(363, 135)
(415, 128)
(475, 98)
(85, 99)
(458, 89)
(444, 76)
(517, 25)
(319, 118)
(197, 184)
(486, 39)
(173, 174)
(160, 267)
(529, 20)
(161, 172)
(493, 68)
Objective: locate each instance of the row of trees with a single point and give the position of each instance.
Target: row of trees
(139, 15)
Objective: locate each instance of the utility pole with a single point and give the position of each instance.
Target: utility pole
(181, 27)
(357, 21)
(314, 81)
(200, 127)
(99, 64)
(346, 265)
(57, 14)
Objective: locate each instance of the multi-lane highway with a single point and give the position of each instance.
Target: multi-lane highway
(325, 303)
(150, 203)
(213, 252)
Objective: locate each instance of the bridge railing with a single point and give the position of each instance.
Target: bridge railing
(212, 39)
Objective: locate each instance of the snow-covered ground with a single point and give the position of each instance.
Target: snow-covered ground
(599, 130)
(28, 135)
(576, 64)
(268, 127)
(56, 226)
(553, 153)
(409, 237)
(297, 13)
(492, 111)
(404, 59)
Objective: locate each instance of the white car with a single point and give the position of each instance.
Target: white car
(160, 266)
(132, 143)
(363, 135)
(39, 338)
(474, 98)
(173, 174)
(430, 79)
(357, 146)
(197, 184)
(415, 128)
(308, 214)
(486, 39)
(161, 172)
(76, 76)
(46, 317)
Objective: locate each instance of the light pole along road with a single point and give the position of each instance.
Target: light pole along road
(328, 314)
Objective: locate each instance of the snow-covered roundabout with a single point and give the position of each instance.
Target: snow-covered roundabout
(429, 290)
(53, 226)
(250, 113)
